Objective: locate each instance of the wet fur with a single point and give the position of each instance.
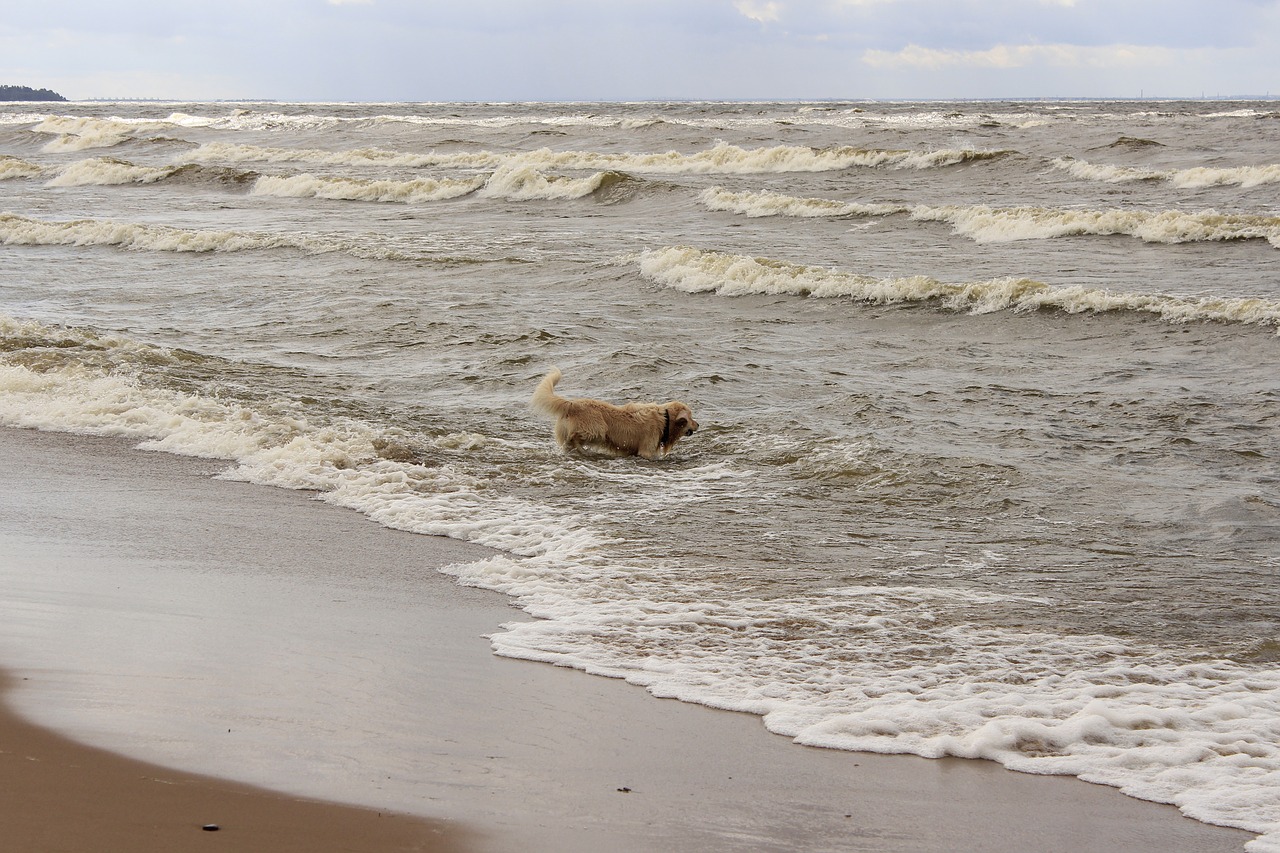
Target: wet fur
(635, 429)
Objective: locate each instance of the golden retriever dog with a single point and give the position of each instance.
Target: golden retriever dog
(636, 429)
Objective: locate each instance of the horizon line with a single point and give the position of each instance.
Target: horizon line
(682, 100)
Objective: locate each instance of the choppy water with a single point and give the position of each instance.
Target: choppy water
(989, 391)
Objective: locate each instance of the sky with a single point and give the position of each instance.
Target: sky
(608, 50)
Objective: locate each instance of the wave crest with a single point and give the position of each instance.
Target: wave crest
(24, 231)
(697, 271)
(108, 171)
(985, 224)
(516, 183)
(1197, 177)
(229, 153)
(524, 183)
(80, 133)
(758, 204)
(721, 158)
(353, 189)
(12, 167)
(995, 225)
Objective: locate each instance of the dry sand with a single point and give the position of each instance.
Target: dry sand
(508, 755)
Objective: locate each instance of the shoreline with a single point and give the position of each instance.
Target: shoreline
(348, 663)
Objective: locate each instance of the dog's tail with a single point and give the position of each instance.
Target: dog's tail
(545, 398)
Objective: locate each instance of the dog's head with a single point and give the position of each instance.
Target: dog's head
(681, 422)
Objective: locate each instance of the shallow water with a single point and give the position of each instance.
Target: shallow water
(988, 391)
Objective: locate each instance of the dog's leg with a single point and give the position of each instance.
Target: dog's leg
(651, 451)
(564, 437)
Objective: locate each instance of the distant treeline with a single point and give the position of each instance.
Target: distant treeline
(26, 93)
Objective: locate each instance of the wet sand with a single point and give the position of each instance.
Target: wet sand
(502, 755)
(60, 795)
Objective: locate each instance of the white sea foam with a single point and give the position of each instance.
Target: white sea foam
(107, 171)
(721, 158)
(1192, 178)
(757, 204)
(354, 189)
(512, 182)
(270, 445)
(24, 231)
(879, 668)
(1244, 176)
(513, 177)
(12, 167)
(986, 224)
(696, 271)
(836, 671)
(19, 230)
(1105, 172)
(523, 183)
(1200, 736)
(993, 225)
(519, 183)
(8, 118)
(187, 120)
(222, 152)
(591, 117)
(252, 120)
(81, 133)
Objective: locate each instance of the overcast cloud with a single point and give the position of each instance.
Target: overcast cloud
(391, 50)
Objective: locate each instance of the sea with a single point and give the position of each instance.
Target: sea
(989, 392)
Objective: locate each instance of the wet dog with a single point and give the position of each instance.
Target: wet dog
(636, 429)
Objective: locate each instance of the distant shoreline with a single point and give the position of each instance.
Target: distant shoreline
(853, 100)
(26, 93)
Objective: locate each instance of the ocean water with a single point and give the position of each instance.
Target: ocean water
(989, 392)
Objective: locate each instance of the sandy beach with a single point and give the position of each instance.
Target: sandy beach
(149, 610)
(64, 796)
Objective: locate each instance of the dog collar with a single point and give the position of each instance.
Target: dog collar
(666, 429)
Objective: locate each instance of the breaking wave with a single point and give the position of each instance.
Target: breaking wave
(757, 204)
(992, 225)
(12, 167)
(79, 134)
(516, 183)
(253, 120)
(108, 171)
(985, 224)
(523, 183)
(23, 231)
(1193, 178)
(697, 271)
(354, 189)
(721, 158)
(229, 153)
